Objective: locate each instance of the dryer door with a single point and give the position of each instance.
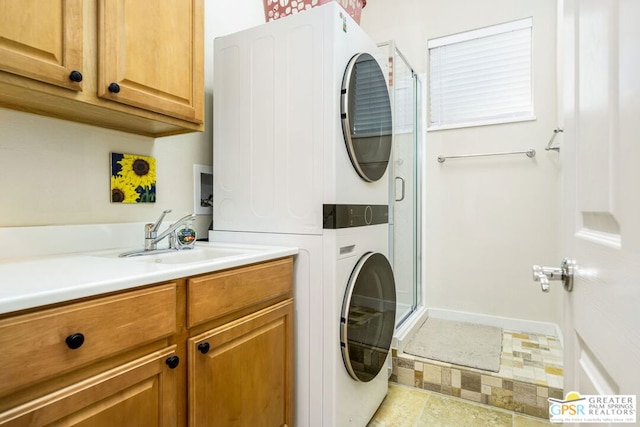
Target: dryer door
(366, 116)
(368, 317)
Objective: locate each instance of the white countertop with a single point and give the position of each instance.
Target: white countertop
(28, 282)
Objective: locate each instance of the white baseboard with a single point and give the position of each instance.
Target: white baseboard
(406, 330)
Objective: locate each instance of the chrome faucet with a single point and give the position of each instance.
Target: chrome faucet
(151, 232)
(151, 237)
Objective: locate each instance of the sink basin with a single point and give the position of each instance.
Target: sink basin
(163, 256)
(197, 254)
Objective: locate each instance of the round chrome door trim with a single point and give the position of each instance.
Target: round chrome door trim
(347, 104)
(376, 315)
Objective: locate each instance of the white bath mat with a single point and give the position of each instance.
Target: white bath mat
(459, 343)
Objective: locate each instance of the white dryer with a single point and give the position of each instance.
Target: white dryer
(286, 94)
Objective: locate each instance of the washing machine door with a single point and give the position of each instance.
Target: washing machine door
(368, 317)
(366, 116)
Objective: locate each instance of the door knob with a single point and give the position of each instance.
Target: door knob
(565, 273)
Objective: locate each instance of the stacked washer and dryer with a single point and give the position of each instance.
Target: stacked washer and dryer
(302, 138)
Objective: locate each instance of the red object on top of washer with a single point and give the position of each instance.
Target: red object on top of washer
(276, 9)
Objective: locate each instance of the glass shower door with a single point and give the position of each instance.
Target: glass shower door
(405, 197)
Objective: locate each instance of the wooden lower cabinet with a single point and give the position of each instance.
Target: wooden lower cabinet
(139, 393)
(131, 359)
(35, 346)
(241, 374)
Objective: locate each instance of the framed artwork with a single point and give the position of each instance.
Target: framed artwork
(133, 178)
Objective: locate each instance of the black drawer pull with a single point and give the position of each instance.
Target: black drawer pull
(75, 76)
(114, 88)
(75, 341)
(173, 362)
(204, 347)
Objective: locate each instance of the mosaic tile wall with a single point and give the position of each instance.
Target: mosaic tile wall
(530, 373)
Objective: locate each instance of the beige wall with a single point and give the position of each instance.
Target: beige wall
(487, 220)
(57, 172)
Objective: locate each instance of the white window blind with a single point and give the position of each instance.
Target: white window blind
(481, 77)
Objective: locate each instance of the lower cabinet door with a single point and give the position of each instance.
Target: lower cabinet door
(241, 373)
(139, 393)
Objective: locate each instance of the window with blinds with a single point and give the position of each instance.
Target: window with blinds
(481, 77)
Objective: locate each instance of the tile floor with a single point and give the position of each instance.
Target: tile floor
(536, 359)
(411, 407)
(530, 372)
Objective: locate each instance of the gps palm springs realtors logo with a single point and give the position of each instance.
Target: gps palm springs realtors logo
(593, 409)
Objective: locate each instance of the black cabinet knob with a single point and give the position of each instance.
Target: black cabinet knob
(114, 88)
(75, 341)
(173, 362)
(75, 76)
(204, 347)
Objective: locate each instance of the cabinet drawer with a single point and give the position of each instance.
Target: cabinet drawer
(142, 392)
(37, 346)
(219, 294)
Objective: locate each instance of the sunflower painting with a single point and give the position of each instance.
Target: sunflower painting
(133, 178)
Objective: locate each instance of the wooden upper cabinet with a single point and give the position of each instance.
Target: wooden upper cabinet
(150, 55)
(50, 51)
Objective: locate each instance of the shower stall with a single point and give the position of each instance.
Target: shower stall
(406, 92)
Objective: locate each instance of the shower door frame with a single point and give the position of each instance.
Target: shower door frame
(395, 55)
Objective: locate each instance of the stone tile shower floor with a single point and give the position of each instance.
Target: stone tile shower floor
(530, 372)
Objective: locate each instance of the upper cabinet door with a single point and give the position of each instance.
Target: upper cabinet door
(50, 51)
(150, 55)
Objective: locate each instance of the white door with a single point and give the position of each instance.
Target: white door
(601, 161)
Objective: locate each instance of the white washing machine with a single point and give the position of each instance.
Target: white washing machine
(302, 139)
(344, 317)
(359, 329)
(285, 95)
